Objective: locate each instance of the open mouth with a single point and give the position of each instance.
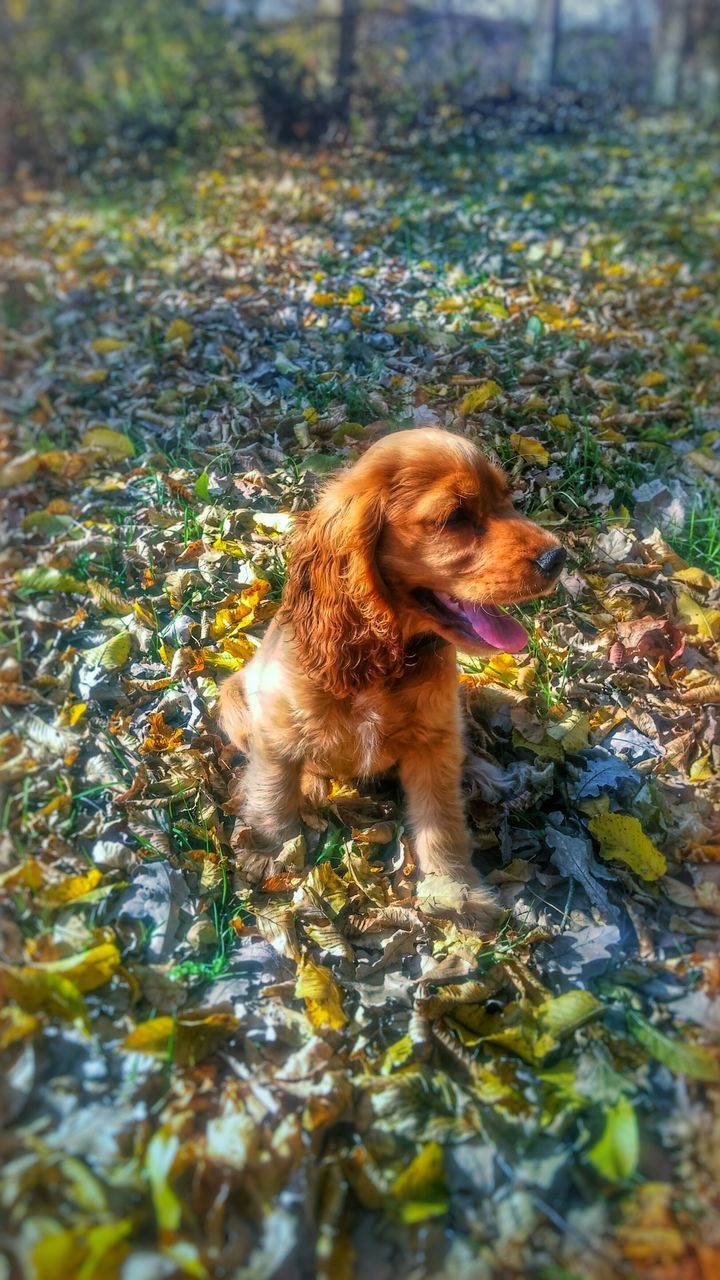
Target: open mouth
(485, 623)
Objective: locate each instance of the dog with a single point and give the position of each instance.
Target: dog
(409, 555)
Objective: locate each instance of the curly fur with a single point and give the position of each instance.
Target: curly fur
(341, 686)
(334, 603)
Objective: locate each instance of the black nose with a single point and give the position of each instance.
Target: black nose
(551, 562)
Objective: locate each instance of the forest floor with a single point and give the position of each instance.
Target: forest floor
(317, 1075)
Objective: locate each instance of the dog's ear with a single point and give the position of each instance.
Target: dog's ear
(345, 631)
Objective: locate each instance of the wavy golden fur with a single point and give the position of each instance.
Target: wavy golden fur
(407, 555)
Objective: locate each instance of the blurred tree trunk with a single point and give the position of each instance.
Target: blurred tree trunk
(349, 14)
(706, 54)
(544, 42)
(670, 41)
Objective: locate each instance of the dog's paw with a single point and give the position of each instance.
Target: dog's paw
(481, 909)
(464, 897)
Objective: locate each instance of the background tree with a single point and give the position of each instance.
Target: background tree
(670, 41)
(349, 15)
(544, 44)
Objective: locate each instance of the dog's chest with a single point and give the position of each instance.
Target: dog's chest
(370, 732)
(351, 738)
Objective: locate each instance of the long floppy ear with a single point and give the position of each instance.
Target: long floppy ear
(345, 632)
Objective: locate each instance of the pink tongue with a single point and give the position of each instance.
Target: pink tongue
(495, 627)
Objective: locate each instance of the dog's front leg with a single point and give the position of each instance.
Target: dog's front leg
(431, 782)
(272, 797)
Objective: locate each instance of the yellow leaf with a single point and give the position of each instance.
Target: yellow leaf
(179, 331)
(88, 970)
(239, 647)
(93, 375)
(559, 1015)
(161, 1154)
(241, 613)
(187, 1039)
(529, 449)
(15, 1024)
(502, 669)
(452, 304)
(571, 732)
(534, 403)
(560, 421)
(38, 991)
(396, 1055)
(111, 654)
(324, 299)
(549, 311)
(107, 599)
(355, 294)
(153, 1037)
(653, 378)
(19, 470)
(421, 1189)
(479, 397)
(72, 715)
(705, 621)
(82, 1253)
(622, 838)
(114, 444)
(72, 887)
(705, 462)
(28, 875)
(105, 346)
(696, 578)
(322, 995)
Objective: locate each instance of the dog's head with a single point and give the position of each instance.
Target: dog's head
(420, 535)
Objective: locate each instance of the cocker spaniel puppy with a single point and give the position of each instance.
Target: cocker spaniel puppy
(411, 553)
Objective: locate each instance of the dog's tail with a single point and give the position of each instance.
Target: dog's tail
(233, 711)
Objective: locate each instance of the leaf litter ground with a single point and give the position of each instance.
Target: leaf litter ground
(320, 1074)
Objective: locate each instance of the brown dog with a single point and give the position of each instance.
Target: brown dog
(408, 555)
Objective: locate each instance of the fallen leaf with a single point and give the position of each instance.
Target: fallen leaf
(530, 449)
(680, 1056)
(622, 839)
(479, 398)
(322, 995)
(615, 1154)
(180, 331)
(113, 444)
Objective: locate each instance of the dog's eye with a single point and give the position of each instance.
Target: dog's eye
(456, 519)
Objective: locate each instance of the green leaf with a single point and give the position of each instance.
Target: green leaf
(567, 1012)
(615, 1154)
(680, 1056)
(202, 487)
(44, 578)
(47, 523)
(111, 654)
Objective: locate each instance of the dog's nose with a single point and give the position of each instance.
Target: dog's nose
(551, 562)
